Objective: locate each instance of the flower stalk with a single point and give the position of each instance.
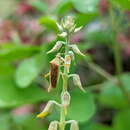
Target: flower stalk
(64, 59)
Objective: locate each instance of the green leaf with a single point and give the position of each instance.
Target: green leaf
(5, 121)
(40, 5)
(49, 23)
(12, 52)
(124, 4)
(99, 32)
(29, 69)
(85, 6)
(122, 120)
(12, 96)
(99, 127)
(101, 36)
(83, 19)
(28, 122)
(6, 69)
(63, 7)
(82, 106)
(112, 96)
(95, 126)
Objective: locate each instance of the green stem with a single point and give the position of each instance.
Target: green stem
(117, 55)
(118, 65)
(62, 113)
(62, 119)
(65, 84)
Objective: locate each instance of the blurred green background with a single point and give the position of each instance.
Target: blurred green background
(28, 30)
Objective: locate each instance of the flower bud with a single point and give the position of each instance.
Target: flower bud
(47, 110)
(67, 62)
(77, 82)
(71, 54)
(53, 125)
(65, 98)
(71, 30)
(68, 24)
(76, 49)
(59, 27)
(78, 29)
(54, 72)
(74, 126)
(63, 34)
(56, 47)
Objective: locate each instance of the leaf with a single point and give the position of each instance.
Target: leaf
(6, 69)
(49, 23)
(122, 120)
(83, 19)
(28, 122)
(12, 96)
(85, 6)
(99, 32)
(5, 121)
(63, 7)
(12, 52)
(99, 127)
(95, 126)
(124, 4)
(40, 5)
(112, 96)
(29, 69)
(82, 106)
